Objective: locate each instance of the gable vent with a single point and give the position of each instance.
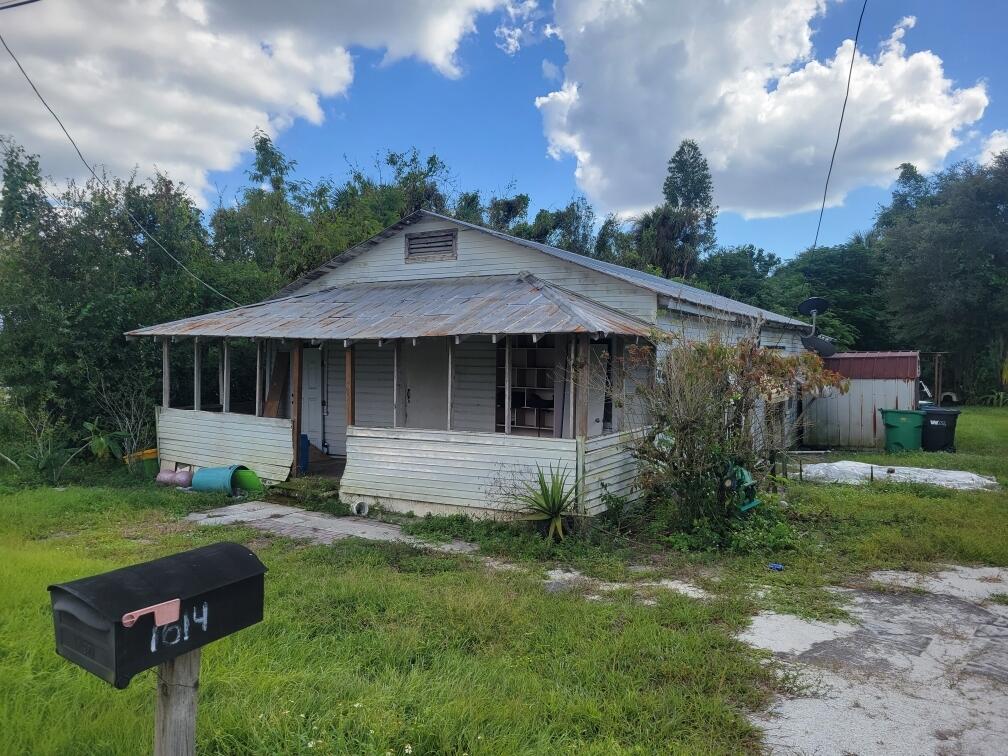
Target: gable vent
(427, 246)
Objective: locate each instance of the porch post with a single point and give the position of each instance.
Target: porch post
(349, 385)
(226, 384)
(396, 348)
(584, 377)
(165, 373)
(297, 353)
(451, 379)
(569, 380)
(197, 377)
(507, 384)
(617, 393)
(259, 378)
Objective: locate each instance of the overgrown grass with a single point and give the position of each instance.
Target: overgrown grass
(368, 648)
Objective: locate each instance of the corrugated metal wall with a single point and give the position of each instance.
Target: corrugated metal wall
(852, 420)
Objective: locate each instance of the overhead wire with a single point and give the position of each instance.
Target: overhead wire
(102, 181)
(843, 110)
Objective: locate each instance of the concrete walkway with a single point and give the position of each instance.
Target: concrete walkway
(317, 527)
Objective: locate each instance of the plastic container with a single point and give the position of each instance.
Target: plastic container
(902, 429)
(247, 480)
(216, 479)
(938, 430)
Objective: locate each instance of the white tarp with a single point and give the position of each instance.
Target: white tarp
(862, 472)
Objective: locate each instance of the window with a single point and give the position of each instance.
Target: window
(428, 246)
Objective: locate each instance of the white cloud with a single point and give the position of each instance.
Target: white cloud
(551, 71)
(994, 144)
(520, 27)
(180, 86)
(741, 79)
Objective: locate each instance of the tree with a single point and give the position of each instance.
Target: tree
(738, 272)
(943, 243)
(674, 235)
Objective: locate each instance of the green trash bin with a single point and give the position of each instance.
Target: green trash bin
(902, 429)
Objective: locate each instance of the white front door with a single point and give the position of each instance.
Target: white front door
(311, 396)
(425, 379)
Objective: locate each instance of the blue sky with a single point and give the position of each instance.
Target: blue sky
(179, 86)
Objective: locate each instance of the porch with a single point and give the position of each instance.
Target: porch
(421, 421)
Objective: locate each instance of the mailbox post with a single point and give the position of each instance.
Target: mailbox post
(160, 614)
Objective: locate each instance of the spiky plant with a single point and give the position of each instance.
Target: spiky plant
(547, 498)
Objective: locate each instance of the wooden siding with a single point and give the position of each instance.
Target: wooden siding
(852, 420)
(482, 255)
(608, 465)
(373, 403)
(474, 393)
(215, 439)
(430, 471)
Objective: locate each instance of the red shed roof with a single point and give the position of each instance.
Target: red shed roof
(870, 365)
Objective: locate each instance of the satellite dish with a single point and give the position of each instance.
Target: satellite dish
(818, 345)
(813, 306)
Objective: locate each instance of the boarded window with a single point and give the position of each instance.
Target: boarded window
(427, 246)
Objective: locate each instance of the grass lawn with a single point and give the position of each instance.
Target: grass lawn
(374, 648)
(369, 648)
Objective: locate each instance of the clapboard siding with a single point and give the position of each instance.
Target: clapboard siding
(789, 341)
(474, 392)
(421, 470)
(608, 466)
(373, 385)
(483, 255)
(212, 439)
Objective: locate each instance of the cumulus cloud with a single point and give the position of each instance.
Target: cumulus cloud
(179, 85)
(743, 80)
(994, 144)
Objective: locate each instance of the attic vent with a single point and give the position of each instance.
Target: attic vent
(426, 246)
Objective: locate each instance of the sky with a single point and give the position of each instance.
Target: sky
(552, 98)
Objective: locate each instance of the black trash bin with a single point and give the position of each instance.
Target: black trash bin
(938, 431)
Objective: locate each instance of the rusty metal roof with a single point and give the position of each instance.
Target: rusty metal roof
(521, 304)
(673, 294)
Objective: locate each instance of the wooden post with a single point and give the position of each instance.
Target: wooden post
(569, 404)
(226, 385)
(175, 709)
(618, 388)
(584, 379)
(396, 349)
(507, 384)
(351, 414)
(297, 356)
(451, 380)
(165, 373)
(259, 378)
(220, 372)
(197, 375)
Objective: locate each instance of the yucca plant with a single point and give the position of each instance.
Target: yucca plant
(547, 498)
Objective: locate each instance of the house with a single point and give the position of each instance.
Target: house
(440, 360)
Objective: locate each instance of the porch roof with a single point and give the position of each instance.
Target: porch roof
(489, 305)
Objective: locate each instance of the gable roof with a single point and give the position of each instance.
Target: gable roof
(676, 295)
(474, 305)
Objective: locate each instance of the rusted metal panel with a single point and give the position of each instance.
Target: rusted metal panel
(485, 305)
(876, 365)
(852, 420)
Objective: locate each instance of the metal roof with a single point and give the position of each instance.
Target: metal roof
(675, 292)
(488, 305)
(875, 365)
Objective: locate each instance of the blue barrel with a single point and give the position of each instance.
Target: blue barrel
(216, 479)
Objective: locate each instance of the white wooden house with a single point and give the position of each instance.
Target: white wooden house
(438, 359)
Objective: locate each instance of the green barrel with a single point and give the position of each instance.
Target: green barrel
(902, 429)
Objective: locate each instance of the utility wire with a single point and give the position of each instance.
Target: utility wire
(843, 110)
(101, 181)
(15, 4)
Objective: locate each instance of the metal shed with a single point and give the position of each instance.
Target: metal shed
(878, 380)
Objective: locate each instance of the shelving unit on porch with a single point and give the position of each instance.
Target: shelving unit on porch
(537, 380)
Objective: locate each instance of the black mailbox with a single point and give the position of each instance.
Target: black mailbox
(125, 621)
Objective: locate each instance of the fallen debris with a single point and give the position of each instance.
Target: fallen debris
(861, 472)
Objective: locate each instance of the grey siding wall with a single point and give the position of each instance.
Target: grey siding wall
(482, 255)
(608, 466)
(373, 385)
(475, 386)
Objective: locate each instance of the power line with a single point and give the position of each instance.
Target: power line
(101, 181)
(843, 110)
(15, 4)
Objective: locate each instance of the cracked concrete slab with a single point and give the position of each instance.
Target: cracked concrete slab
(317, 527)
(916, 672)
